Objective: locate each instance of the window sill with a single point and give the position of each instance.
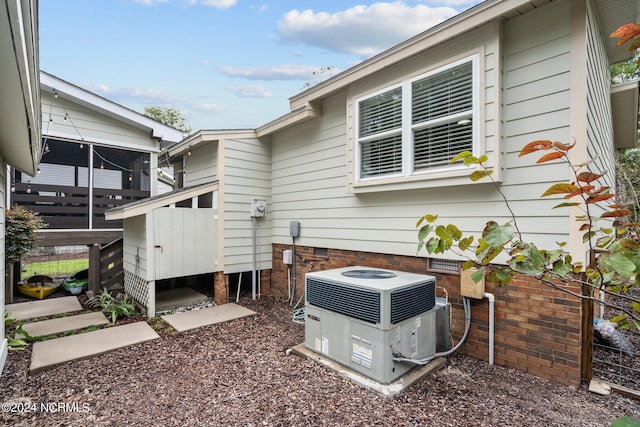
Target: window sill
(458, 176)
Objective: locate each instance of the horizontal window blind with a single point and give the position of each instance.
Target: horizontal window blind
(436, 146)
(381, 156)
(381, 113)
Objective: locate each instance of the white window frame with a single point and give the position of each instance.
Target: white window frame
(407, 128)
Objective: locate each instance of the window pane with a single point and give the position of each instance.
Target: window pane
(443, 94)
(437, 145)
(381, 113)
(381, 156)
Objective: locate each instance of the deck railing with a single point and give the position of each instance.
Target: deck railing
(64, 207)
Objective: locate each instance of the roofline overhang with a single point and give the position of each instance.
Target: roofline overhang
(157, 130)
(624, 105)
(20, 117)
(302, 114)
(142, 207)
(481, 14)
(205, 136)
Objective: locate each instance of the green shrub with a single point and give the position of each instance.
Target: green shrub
(113, 307)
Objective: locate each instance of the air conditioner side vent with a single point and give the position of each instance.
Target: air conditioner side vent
(363, 304)
(412, 301)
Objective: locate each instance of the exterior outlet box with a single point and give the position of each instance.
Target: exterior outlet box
(469, 288)
(287, 256)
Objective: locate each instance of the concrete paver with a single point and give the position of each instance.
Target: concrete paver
(62, 324)
(46, 354)
(45, 307)
(206, 316)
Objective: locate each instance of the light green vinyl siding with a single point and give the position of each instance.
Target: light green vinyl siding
(536, 105)
(90, 125)
(313, 162)
(247, 175)
(201, 165)
(599, 119)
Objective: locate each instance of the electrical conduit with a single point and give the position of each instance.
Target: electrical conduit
(492, 300)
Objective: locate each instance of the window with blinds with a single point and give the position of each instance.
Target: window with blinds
(418, 126)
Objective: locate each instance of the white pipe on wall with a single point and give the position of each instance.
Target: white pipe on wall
(492, 300)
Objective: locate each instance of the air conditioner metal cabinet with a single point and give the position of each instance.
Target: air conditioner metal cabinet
(356, 319)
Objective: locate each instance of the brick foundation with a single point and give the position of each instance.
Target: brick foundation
(537, 328)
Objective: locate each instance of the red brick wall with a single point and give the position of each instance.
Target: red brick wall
(537, 328)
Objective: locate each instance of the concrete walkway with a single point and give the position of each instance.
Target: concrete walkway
(46, 354)
(42, 308)
(206, 316)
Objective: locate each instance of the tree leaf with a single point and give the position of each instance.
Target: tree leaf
(479, 174)
(566, 204)
(460, 156)
(560, 188)
(465, 243)
(563, 147)
(534, 146)
(599, 198)
(551, 156)
(588, 177)
(477, 275)
(617, 213)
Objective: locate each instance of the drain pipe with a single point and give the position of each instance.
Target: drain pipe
(492, 300)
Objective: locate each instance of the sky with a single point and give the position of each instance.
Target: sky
(224, 64)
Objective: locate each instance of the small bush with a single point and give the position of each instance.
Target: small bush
(113, 307)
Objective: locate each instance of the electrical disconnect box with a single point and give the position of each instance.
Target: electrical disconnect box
(294, 228)
(469, 288)
(258, 208)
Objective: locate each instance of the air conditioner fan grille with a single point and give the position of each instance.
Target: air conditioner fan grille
(363, 304)
(412, 301)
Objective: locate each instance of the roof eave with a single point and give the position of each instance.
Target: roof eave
(157, 130)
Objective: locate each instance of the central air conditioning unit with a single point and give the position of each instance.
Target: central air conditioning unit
(357, 315)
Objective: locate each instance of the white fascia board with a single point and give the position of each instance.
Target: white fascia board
(95, 102)
(304, 113)
(206, 136)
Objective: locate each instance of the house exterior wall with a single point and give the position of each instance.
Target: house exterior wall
(527, 74)
(246, 176)
(599, 115)
(536, 105)
(312, 163)
(202, 165)
(90, 125)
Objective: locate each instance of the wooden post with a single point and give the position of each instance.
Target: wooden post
(94, 269)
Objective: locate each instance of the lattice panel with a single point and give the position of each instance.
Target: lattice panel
(136, 287)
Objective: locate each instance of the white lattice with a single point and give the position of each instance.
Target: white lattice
(136, 287)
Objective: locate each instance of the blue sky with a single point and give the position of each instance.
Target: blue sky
(225, 64)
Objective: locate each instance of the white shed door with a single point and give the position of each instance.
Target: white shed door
(185, 242)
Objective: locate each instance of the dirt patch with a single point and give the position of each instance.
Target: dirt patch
(238, 373)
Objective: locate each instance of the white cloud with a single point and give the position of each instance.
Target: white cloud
(361, 30)
(277, 72)
(250, 91)
(219, 4)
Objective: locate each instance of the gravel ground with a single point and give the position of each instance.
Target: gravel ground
(237, 373)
